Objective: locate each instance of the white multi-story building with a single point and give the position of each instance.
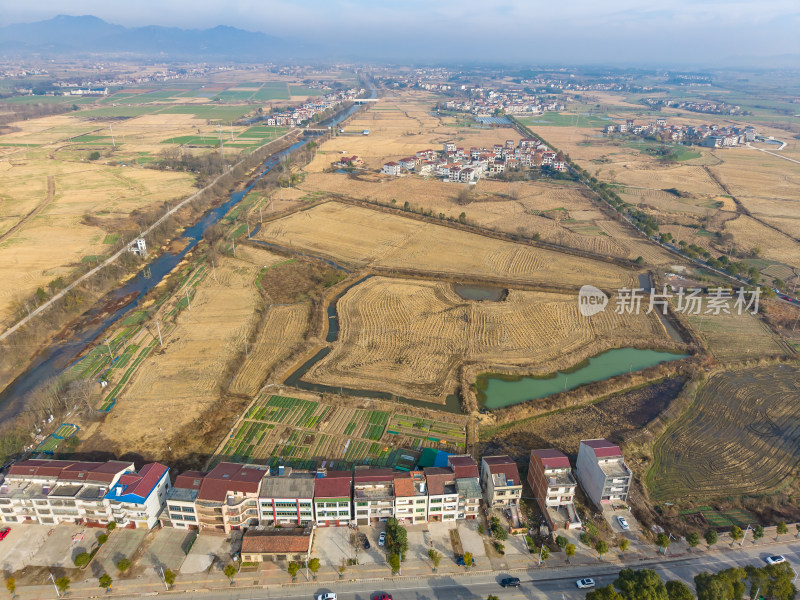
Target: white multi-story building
(602, 472)
(332, 498)
(287, 498)
(442, 494)
(181, 510)
(500, 480)
(92, 493)
(373, 495)
(410, 497)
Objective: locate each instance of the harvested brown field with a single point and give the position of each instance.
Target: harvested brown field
(408, 337)
(749, 234)
(363, 237)
(740, 436)
(282, 330)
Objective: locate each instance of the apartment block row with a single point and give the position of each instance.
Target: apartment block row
(92, 493)
(235, 496)
(600, 469)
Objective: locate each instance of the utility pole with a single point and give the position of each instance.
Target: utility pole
(110, 355)
(233, 239)
(188, 303)
(114, 143)
(540, 555)
(164, 579)
(214, 270)
(744, 536)
(160, 341)
(260, 215)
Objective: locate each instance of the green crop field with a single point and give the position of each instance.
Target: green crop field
(272, 91)
(194, 140)
(306, 433)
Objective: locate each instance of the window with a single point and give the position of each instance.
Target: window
(189, 518)
(188, 509)
(178, 508)
(177, 517)
(419, 510)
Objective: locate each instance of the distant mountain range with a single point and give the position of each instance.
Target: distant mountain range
(88, 35)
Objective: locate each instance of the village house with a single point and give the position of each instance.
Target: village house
(550, 478)
(391, 168)
(408, 163)
(287, 498)
(228, 497)
(602, 472)
(373, 495)
(410, 497)
(500, 480)
(442, 494)
(332, 498)
(181, 512)
(277, 544)
(81, 492)
(468, 485)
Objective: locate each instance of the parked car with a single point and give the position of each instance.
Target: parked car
(775, 559)
(382, 538)
(382, 596)
(365, 542)
(510, 582)
(460, 562)
(4, 533)
(623, 522)
(326, 596)
(586, 583)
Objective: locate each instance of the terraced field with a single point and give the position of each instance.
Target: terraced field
(407, 337)
(740, 436)
(306, 433)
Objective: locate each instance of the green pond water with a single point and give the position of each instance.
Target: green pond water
(500, 391)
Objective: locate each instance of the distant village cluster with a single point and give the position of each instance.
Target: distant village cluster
(711, 136)
(485, 102)
(306, 111)
(714, 108)
(454, 164)
(99, 86)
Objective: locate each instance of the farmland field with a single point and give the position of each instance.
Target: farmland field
(408, 337)
(307, 432)
(736, 337)
(740, 436)
(172, 385)
(363, 237)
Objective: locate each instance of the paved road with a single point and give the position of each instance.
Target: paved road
(537, 584)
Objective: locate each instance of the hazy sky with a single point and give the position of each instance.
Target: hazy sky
(697, 31)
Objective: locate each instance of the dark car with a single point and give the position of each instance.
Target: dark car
(365, 542)
(510, 582)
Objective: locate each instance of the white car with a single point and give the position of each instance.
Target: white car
(326, 596)
(623, 523)
(775, 559)
(382, 538)
(585, 583)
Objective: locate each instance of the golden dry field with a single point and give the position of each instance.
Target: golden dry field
(408, 337)
(176, 382)
(51, 237)
(364, 237)
(283, 328)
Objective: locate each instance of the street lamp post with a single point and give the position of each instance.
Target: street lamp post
(164, 579)
(53, 579)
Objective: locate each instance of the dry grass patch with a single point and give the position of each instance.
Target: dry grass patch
(174, 385)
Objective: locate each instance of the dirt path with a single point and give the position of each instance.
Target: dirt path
(51, 192)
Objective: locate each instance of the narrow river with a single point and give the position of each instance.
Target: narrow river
(61, 354)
